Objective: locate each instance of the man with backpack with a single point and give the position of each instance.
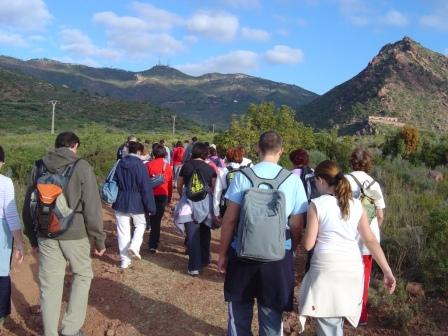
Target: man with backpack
(62, 211)
(258, 241)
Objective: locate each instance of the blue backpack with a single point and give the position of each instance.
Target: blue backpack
(109, 190)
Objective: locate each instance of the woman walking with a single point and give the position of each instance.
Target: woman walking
(11, 234)
(135, 199)
(195, 215)
(362, 163)
(162, 193)
(178, 157)
(332, 289)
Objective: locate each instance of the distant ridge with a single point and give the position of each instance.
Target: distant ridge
(405, 80)
(210, 98)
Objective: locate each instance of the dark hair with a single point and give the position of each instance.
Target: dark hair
(159, 151)
(199, 151)
(361, 159)
(234, 155)
(2, 154)
(212, 151)
(66, 139)
(270, 142)
(135, 147)
(162, 142)
(332, 174)
(194, 139)
(299, 157)
(179, 144)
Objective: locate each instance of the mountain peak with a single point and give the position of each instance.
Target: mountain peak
(404, 80)
(163, 71)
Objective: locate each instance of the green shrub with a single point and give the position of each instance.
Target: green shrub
(434, 260)
(395, 311)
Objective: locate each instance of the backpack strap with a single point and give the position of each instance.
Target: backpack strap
(359, 183)
(112, 171)
(274, 183)
(68, 171)
(40, 170)
(356, 181)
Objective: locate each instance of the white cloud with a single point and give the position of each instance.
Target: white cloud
(12, 40)
(190, 39)
(356, 11)
(282, 54)
(394, 18)
(438, 19)
(24, 15)
(233, 62)
(113, 21)
(218, 26)
(78, 44)
(156, 18)
(243, 3)
(255, 34)
(143, 44)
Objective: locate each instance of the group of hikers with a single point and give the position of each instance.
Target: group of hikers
(263, 210)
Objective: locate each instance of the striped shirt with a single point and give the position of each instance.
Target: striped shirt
(8, 208)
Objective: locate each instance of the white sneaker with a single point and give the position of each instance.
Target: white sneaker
(193, 273)
(134, 253)
(125, 264)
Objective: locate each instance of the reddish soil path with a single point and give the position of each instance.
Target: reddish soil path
(154, 297)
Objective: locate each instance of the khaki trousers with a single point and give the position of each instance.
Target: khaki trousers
(53, 258)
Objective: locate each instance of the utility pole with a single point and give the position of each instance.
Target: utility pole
(53, 103)
(174, 124)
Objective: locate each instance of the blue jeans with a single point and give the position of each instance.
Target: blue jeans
(240, 320)
(198, 243)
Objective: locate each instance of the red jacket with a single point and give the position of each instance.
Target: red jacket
(178, 156)
(155, 167)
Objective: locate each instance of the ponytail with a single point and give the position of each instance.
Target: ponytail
(332, 174)
(343, 193)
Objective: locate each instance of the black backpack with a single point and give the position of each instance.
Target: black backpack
(231, 173)
(309, 183)
(196, 188)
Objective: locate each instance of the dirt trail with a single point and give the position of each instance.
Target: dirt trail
(154, 297)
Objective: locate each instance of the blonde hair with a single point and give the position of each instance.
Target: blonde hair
(332, 174)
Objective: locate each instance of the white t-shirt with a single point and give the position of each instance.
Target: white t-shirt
(246, 162)
(8, 209)
(337, 235)
(365, 180)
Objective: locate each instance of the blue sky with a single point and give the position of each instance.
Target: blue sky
(316, 44)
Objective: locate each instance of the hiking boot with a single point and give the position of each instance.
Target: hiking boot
(134, 253)
(194, 273)
(152, 250)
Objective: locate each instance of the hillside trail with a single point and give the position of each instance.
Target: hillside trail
(154, 296)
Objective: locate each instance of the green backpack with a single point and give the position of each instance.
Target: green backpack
(367, 197)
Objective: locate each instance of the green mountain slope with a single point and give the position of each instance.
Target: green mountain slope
(24, 106)
(211, 98)
(405, 80)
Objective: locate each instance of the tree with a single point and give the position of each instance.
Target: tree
(245, 130)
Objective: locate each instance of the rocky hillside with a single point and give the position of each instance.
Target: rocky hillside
(211, 98)
(24, 106)
(405, 80)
